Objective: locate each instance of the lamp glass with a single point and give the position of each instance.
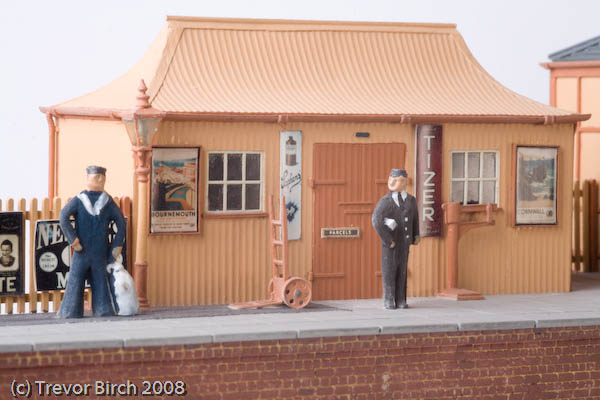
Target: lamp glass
(147, 127)
(130, 126)
(141, 129)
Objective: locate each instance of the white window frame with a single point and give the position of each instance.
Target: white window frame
(243, 182)
(480, 179)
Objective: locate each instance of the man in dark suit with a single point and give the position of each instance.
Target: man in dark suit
(93, 210)
(396, 220)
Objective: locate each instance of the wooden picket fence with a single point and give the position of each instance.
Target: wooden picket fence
(34, 301)
(585, 226)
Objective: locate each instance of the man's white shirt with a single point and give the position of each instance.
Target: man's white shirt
(395, 197)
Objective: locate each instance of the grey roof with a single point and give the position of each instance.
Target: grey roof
(584, 51)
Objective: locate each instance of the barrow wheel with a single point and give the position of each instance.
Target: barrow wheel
(296, 293)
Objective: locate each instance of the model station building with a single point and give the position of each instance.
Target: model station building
(348, 98)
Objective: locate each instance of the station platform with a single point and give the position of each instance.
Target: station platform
(217, 324)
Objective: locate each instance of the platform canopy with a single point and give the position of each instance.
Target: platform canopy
(309, 70)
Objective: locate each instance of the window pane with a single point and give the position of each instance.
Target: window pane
(473, 192)
(215, 197)
(458, 165)
(473, 165)
(234, 197)
(253, 196)
(215, 167)
(489, 165)
(252, 167)
(489, 192)
(458, 192)
(234, 167)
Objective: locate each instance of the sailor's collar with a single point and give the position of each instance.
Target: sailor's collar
(97, 207)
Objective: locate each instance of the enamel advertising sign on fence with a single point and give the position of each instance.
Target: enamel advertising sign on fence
(12, 256)
(53, 254)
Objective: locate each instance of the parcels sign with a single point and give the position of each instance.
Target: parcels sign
(340, 233)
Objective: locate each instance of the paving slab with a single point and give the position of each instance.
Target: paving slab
(554, 323)
(16, 346)
(75, 342)
(243, 335)
(165, 337)
(338, 329)
(496, 325)
(417, 328)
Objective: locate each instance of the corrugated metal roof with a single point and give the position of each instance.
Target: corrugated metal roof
(227, 66)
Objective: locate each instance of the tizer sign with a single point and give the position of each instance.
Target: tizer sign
(428, 178)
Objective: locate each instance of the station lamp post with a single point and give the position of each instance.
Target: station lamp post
(141, 126)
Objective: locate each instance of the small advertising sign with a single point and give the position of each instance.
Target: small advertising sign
(12, 255)
(428, 178)
(291, 179)
(53, 254)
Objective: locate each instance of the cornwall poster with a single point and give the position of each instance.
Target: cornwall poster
(536, 185)
(290, 145)
(174, 199)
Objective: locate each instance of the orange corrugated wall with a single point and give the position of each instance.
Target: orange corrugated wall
(229, 260)
(527, 259)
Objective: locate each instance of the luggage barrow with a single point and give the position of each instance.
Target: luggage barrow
(292, 291)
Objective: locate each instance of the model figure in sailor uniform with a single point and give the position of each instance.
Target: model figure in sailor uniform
(93, 210)
(396, 220)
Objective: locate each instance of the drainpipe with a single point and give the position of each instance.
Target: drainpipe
(51, 155)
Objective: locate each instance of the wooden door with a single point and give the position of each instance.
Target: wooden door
(348, 181)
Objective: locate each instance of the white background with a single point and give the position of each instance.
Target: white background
(52, 51)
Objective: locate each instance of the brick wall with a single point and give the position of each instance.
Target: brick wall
(517, 364)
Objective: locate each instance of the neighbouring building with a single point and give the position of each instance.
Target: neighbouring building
(575, 86)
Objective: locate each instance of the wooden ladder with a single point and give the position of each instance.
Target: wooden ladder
(282, 242)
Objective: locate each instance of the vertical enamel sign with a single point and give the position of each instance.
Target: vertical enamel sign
(12, 255)
(428, 178)
(290, 145)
